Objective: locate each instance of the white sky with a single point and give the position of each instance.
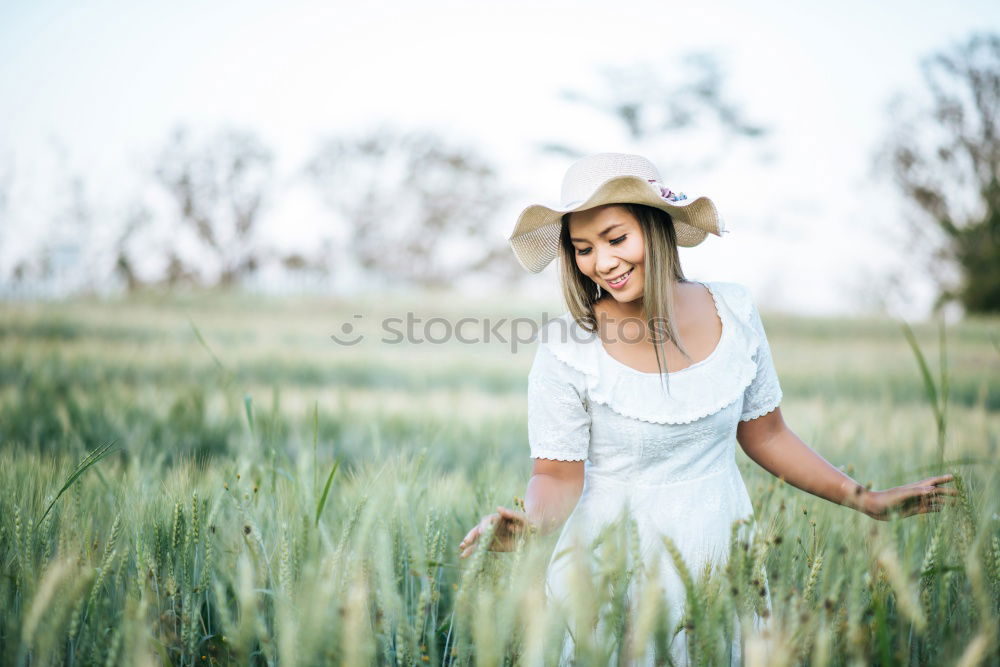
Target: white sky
(810, 230)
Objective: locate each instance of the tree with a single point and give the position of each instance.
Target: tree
(945, 159)
(649, 104)
(63, 255)
(220, 188)
(418, 208)
(137, 218)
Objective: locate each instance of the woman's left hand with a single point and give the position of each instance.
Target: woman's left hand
(509, 525)
(915, 498)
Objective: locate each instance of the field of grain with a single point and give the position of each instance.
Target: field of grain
(272, 497)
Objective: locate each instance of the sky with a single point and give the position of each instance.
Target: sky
(815, 228)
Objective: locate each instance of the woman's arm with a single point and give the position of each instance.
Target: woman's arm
(552, 493)
(772, 445)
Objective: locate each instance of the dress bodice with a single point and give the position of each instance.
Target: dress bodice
(585, 404)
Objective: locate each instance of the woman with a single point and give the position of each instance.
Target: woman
(645, 415)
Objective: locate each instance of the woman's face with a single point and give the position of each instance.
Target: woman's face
(609, 249)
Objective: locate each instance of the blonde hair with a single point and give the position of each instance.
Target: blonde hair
(662, 267)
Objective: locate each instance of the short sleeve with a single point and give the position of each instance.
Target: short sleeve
(558, 420)
(764, 393)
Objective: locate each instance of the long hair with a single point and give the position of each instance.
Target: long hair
(662, 267)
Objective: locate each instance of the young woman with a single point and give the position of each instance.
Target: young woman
(638, 395)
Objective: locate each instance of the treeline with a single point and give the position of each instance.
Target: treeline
(416, 208)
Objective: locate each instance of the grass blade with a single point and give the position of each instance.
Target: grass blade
(315, 445)
(943, 371)
(204, 344)
(227, 376)
(925, 370)
(92, 458)
(326, 491)
(248, 407)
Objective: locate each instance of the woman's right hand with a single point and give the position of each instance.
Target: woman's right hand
(509, 525)
(921, 497)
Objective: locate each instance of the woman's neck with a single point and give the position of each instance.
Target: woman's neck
(622, 310)
(634, 308)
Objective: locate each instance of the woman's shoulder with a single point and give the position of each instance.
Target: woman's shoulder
(736, 296)
(563, 341)
(729, 289)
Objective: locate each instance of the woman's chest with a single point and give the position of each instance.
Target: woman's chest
(675, 451)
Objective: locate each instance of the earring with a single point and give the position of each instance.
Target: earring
(598, 291)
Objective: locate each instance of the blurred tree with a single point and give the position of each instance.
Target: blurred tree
(656, 102)
(317, 264)
(419, 209)
(138, 217)
(945, 158)
(59, 257)
(219, 188)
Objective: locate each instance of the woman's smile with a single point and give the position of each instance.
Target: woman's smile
(620, 281)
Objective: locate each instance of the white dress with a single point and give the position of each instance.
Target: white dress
(669, 458)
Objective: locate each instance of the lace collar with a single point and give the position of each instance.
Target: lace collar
(697, 391)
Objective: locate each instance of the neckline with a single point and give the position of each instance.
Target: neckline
(712, 354)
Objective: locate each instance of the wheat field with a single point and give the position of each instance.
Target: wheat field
(210, 479)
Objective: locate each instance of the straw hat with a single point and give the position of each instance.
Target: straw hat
(609, 178)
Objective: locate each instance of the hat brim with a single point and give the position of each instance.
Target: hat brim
(535, 239)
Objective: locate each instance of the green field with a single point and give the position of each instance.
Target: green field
(210, 533)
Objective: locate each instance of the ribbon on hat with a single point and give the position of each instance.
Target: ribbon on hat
(666, 192)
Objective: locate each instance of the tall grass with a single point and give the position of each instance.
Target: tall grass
(937, 391)
(311, 525)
